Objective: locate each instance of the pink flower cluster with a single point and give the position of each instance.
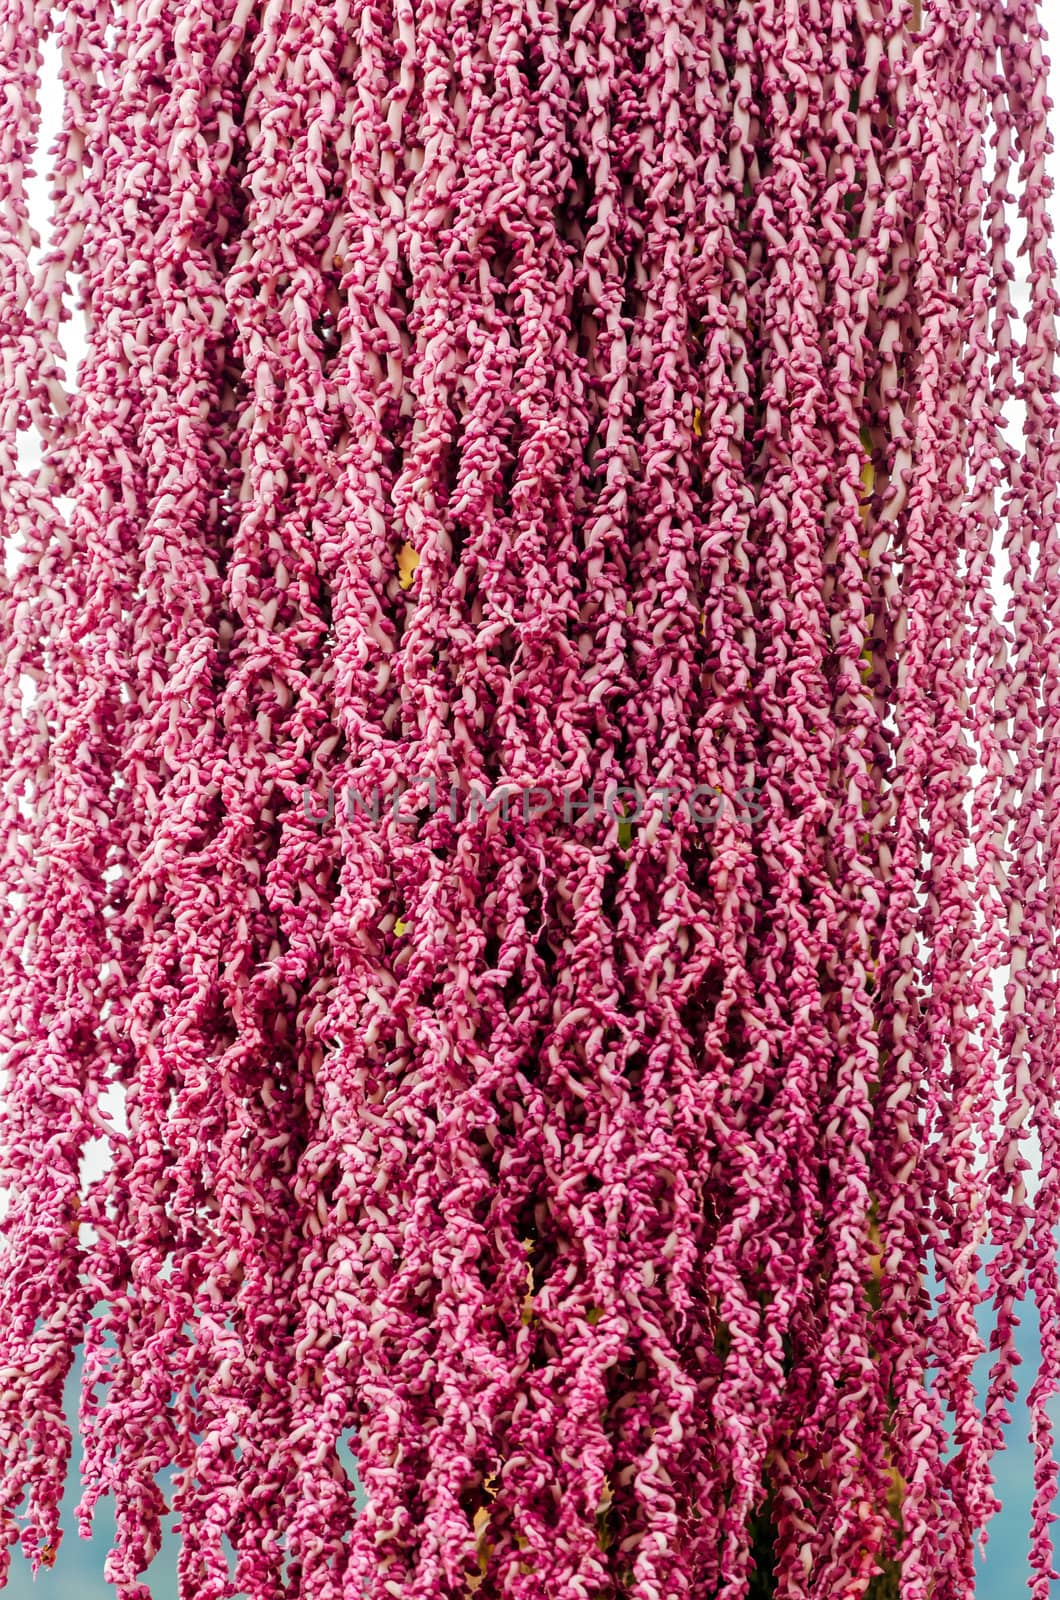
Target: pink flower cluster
(548, 396)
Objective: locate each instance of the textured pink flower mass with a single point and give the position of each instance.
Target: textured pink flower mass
(529, 767)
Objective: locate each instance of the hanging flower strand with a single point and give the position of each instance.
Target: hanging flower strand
(529, 731)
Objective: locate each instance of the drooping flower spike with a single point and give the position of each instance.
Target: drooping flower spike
(529, 740)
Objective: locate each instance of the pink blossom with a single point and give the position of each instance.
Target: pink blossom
(545, 399)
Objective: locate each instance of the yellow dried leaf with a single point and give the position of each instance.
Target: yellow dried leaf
(604, 1534)
(528, 1298)
(482, 1544)
(408, 561)
(483, 1549)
